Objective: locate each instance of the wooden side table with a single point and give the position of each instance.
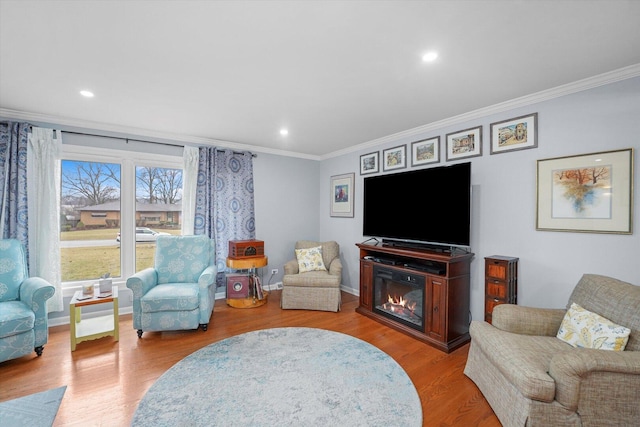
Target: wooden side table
(96, 327)
(250, 264)
(501, 283)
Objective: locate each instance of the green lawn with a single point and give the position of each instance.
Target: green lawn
(92, 262)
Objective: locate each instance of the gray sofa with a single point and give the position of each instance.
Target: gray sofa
(531, 378)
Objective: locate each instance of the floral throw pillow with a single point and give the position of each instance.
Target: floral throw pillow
(582, 328)
(310, 259)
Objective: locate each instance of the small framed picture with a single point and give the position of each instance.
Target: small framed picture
(369, 163)
(464, 143)
(425, 151)
(591, 193)
(342, 195)
(518, 133)
(395, 158)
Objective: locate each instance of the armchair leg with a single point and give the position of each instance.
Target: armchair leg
(139, 333)
(39, 350)
(204, 326)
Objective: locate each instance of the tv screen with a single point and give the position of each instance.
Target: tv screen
(424, 206)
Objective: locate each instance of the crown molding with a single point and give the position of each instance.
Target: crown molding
(155, 136)
(545, 95)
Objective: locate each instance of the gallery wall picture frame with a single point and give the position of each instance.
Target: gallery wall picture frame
(342, 195)
(518, 133)
(369, 163)
(464, 143)
(425, 151)
(394, 158)
(589, 193)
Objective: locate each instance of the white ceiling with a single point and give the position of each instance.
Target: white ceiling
(337, 74)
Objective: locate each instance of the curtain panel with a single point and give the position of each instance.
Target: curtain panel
(224, 200)
(189, 186)
(13, 188)
(44, 165)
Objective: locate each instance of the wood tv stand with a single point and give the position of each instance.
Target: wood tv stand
(447, 292)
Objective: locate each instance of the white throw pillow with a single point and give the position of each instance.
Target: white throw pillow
(310, 259)
(582, 328)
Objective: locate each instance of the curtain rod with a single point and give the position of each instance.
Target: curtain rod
(142, 140)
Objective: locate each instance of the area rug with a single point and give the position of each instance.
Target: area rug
(34, 410)
(283, 376)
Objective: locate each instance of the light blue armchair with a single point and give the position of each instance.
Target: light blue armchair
(178, 292)
(23, 304)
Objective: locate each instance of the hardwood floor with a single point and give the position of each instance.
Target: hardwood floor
(106, 379)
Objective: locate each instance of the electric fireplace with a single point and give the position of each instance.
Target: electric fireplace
(399, 296)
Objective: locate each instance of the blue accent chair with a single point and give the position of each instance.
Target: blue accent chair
(178, 292)
(23, 304)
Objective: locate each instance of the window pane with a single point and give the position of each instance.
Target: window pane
(158, 209)
(90, 220)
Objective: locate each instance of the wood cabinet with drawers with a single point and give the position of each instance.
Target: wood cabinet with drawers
(501, 282)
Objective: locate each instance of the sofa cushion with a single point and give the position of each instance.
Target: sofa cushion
(171, 297)
(312, 279)
(613, 299)
(584, 329)
(523, 359)
(310, 259)
(13, 269)
(15, 318)
(182, 258)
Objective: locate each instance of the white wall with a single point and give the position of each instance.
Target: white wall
(504, 198)
(287, 206)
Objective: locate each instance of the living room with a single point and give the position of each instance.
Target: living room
(591, 114)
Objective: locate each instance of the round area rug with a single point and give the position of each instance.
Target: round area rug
(283, 376)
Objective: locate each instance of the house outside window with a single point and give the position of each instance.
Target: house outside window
(107, 195)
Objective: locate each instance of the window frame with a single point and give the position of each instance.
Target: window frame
(128, 161)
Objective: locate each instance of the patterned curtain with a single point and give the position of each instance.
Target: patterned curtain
(224, 200)
(14, 138)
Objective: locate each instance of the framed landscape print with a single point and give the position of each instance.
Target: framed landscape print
(395, 158)
(425, 151)
(518, 133)
(369, 163)
(587, 193)
(464, 143)
(342, 195)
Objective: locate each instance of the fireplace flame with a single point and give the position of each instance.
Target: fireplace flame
(399, 305)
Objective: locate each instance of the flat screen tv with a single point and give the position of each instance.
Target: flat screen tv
(425, 206)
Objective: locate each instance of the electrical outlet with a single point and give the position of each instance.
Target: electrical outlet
(274, 271)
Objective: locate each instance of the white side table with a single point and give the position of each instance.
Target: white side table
(96, 327)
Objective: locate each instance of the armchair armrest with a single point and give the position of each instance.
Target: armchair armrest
(335, 268)
(35, 291)
(527, 320)
(142, 281)
(208, 277)
(291, 267)
(570, 369)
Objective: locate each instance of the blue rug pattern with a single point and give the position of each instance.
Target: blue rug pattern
(34, 410)
(284, 377)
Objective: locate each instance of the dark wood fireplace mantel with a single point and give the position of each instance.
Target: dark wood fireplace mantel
(447, 291)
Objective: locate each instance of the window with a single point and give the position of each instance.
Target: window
(114, 204)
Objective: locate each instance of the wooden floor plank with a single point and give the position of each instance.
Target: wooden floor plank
(106, 379)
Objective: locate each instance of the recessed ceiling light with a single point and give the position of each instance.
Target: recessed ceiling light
(86, 93)
(284, 132)
(430, 56)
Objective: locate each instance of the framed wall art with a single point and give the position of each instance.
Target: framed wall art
(425, 151)
(369, 163)
(394, 158)
(342, 195)
(464, 143)
(589, 193)
(518, 133)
